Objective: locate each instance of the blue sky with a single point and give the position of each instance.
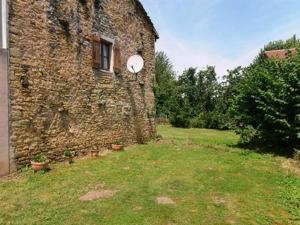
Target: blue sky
(223, 33)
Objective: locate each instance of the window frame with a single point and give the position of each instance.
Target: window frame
(105, 43)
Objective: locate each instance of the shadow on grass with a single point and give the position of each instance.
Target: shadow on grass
(283, 151)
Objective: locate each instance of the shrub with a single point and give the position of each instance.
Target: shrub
(214, 120)
(198, 121)
(180, 120)
(211, 120)
(269, 102)
(248, 135)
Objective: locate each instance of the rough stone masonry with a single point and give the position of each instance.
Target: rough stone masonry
(58, 100)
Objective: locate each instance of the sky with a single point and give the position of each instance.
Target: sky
(221, 33)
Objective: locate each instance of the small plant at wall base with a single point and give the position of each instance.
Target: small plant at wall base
(117, 145)
(39, 162)
(40, 158)
(118, 142)
(69, 155)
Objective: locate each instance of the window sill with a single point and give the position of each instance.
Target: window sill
(106, 72)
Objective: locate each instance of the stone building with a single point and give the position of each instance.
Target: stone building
(63, 77)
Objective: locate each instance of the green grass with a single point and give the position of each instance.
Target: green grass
(210, 181)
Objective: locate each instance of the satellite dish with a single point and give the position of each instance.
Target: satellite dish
(135, 64)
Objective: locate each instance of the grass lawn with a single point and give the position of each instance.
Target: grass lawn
(210, 182)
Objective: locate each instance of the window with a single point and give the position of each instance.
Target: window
(3, 25)
(105, 55)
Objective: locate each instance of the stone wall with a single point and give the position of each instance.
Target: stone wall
(58, 100)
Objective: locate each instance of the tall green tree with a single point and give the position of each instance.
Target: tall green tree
(198, 93)
(230, 88)
(208, 89)
(164, 85)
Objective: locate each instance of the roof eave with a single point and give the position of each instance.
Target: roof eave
(140, 5)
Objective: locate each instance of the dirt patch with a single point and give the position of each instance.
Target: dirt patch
(165, 142)
(191, 144)
(137, 208)
(12, 176)
(291, 165)
(165, 201)
(219, 201)
(94, 195)
(104, 152)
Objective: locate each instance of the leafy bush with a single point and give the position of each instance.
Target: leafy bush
(180, 120)
(217, 120)
(211, 120)
(269, 102)
(198, 121)
(248, 135)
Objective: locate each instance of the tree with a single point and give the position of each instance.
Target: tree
(197, 97)
(230, 88)
(164, 85)
(208, 89)
(269, 102)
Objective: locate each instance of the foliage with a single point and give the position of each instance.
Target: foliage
(230, 88)
(198, 101)
(40, 158)
(118, 142)
(198, 121)
(261, 101)
(68, 153)
(164, 85)
(248, 135)
(195, 98)
(180, 120)
(269, 101)
(211, 120)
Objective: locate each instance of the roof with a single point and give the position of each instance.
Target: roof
(279, 54)
(141, 7)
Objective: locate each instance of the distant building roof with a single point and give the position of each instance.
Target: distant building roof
(279, 54)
